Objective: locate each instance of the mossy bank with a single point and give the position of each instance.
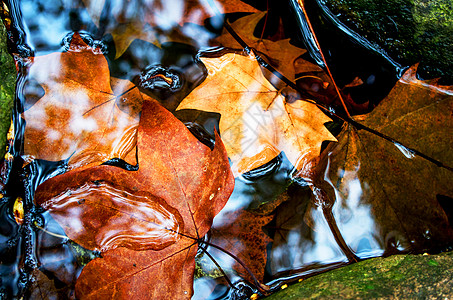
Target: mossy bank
(410, 31)
(7, 88)
(394, 277)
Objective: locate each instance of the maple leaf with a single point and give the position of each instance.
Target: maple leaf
(139, 19)
(124, 34)
(402, 188)
(43, 287)
(84, 116)
(157, 13)
(281, 54)
(256, 122)
(241, 233)
(302, 237)
(147, 222)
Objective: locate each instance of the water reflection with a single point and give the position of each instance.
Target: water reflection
(356, 221)
(138, 222)
(406, 151)
(302, 237)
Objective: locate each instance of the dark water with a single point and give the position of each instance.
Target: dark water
(309, 231)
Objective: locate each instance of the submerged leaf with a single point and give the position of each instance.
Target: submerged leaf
(281, 54)
(146, 20)
(241, 233)
(398, 187)
(161, 209)
(164, 13)
(257, 123)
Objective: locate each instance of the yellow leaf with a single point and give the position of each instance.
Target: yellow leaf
(124, 34)
(256, 122)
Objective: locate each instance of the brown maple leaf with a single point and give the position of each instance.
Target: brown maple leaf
(146, 223)
(256, 123)
(241, 233)
(402, 188)
(280, 54)
(159, 13)
(84, 116)
(144, 20)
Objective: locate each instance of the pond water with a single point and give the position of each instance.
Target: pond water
(281, 223)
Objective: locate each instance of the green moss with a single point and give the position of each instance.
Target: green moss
(84, 256)
(399, 276)
(411, 31)
(7, 88)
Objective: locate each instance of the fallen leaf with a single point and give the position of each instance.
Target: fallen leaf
(42, 287)
(124, 34)
(193, 11)
(280, 54)
(143, 20)
(145, 222)
(162, 13)
(256, 122)
(397, 187)
(84, 116)
(302, 239)
(241, 233)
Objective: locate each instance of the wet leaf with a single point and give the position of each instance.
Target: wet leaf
(42, 287)
(145, 222)
(241, 233)
(397, 187)
(124, 34)
(302, 239)
(147, 20)
(280, 54)
(157, 13)
(85, 115)
(256, 123)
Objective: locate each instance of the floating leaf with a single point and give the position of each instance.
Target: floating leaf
(146, 20)
(147, 222)
(84, 116)
(256, 123)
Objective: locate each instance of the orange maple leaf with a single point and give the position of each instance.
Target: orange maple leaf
(85, 116)
(257, 123)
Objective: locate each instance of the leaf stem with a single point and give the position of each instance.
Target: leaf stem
(323, 58)
(217, 265)
(265, 20)
(264, 289)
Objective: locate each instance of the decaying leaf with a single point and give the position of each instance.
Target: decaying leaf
(241, 233)
(256, 123)
(44, 288)
(144, 20)
(281, 54)
(159, 13)
(85, 115)
(402, 188)
(145, 222)
(124, 34)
